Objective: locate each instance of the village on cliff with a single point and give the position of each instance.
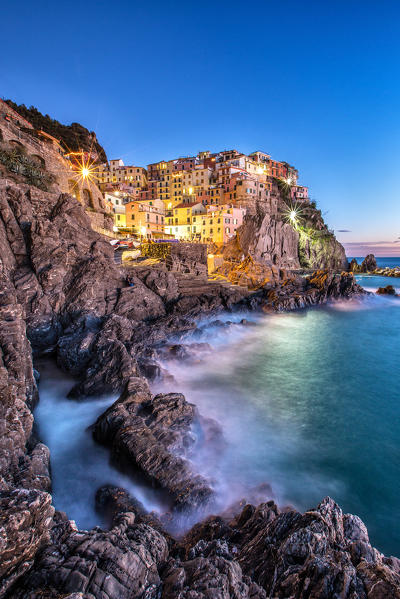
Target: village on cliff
(201, 198)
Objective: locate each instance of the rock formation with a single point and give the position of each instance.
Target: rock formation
(368, 265)
(260, 553)
(269, 241)
(388, 290)
(155, 435)
(62, 293)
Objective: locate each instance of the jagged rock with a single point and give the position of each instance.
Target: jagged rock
(25, 518)
(154, 434)
(314, 553)
(388, 290)
(160, 280)
(369, 264)
(211, 573)
(354, 266)
(269, 240)
(266, 239)
(122, 563)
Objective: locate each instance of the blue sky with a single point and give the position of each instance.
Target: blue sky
(314, 83)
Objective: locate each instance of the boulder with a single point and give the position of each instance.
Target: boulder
(154, 434)
(388, 290)
(369, 264)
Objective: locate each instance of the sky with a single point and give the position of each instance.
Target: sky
(315, 83)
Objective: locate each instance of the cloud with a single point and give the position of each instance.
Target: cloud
(379, 248)
(344, 231)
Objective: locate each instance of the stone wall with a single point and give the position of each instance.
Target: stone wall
(50, 155)
(189, 258)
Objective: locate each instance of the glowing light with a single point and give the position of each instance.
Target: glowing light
(293, 215)
(84, 168)
(190, 190)
(143, 230)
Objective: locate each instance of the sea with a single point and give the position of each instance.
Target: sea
(308, 402)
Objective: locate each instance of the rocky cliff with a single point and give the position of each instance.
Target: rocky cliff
(62, 294)
(272, 240)
(74, 137)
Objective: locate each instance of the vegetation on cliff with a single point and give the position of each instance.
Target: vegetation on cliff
(74, 136)
(317, 245)
(16, 160)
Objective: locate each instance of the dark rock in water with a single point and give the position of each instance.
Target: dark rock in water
(112, 501)
(315, 552)
(369, 264)
(315, 289)
(154, 435)
(122, 563)
(25, 518)
(354, 266)
(388, 290)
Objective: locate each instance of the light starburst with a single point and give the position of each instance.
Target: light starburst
(293, 214)
(85, 169)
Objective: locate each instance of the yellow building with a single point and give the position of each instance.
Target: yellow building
(179, 220)
(217, 224)
(146, 218)
(116, 174)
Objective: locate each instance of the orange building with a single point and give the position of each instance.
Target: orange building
(146, 218)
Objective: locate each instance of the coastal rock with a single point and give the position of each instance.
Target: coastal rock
(369, 264)
(268, 239)
(300, 292)
(354, 266)
(160, 280)
(24, 528)
(210, 573)
(314, 553)
(388, 290)
(121, 563)
(155, 435)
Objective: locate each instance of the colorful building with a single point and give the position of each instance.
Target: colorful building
(189, 186)
(146, 218)
(218, 224)
(117, 205)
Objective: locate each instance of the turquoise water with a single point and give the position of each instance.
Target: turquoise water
(309, 402)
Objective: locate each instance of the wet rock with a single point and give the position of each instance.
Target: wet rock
(210, 573)
(154, 435)
(24, 527)
(388, 290)
(112, 501)
(312, 553)
(122, 563)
